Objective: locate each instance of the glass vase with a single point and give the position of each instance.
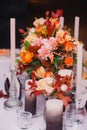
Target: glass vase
(34, 104)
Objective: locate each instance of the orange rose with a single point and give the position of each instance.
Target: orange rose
(26, 56)
(68, 46)
(69, 61)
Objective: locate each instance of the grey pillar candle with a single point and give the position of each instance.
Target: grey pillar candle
(54, 113)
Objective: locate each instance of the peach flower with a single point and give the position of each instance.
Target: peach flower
(46, 84)
(40, 72)
(69, 46)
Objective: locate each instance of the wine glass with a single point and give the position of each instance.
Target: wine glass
(80, 113)
(70, 115)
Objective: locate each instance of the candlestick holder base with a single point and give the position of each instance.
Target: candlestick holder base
(13, 104)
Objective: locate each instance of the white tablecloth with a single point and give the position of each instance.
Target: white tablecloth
(8, 120)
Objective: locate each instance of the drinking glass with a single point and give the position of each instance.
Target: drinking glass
(24, 119)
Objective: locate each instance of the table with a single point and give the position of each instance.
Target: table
(8, 120)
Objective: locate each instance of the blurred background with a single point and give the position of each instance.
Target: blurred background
(26, 10)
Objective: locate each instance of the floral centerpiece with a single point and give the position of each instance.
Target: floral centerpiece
(46, 49)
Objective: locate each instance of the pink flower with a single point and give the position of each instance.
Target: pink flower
(48, 45)
(37, 42)
(52, 42)
(45, 49)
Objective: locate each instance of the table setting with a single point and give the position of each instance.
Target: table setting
(42, 84)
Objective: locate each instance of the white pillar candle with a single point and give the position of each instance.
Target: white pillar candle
(54, 107)
(12, 40)
(79, 69)
(54, 112)
(76, 28)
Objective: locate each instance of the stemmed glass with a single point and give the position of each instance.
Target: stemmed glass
(69, 115)
(80, 111)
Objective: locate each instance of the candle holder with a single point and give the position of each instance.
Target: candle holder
(13, 103)
(54, 113)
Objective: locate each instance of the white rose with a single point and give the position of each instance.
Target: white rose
(64, 87)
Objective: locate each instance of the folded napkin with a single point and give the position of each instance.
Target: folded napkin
(4, 52)
(7, 84)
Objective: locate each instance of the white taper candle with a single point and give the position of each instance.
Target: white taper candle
(12, 40)
(79, 69)
(76, 28)
(61, 22)
(79, 57)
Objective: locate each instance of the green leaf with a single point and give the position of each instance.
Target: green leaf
(83, 65)
(35, 62)
(57, 61)
(29, 71)
(17, 60)
(75, 58)
(53, 34)
(26, 45)
(45, 29)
